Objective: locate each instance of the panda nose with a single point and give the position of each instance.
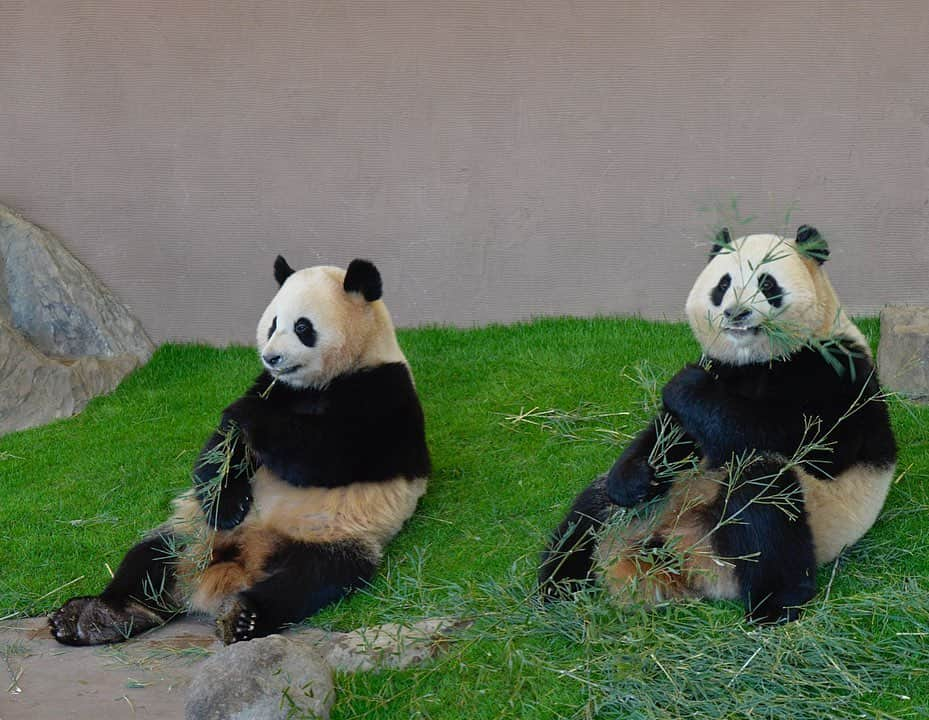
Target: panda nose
(736, 314)
(271, 360)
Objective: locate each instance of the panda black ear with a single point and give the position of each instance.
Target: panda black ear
(363, 277)
(812, 244)
(722, 241)
(282, 270)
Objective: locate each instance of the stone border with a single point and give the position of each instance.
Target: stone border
(903, 353)
(273, 677)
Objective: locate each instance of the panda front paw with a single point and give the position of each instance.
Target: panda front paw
(680, 390)
(771, 612)
(631, 482)
(245, 624)
(240, 620)
(228, 508)
(90, 620)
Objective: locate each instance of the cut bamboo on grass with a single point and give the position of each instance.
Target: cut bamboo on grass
(473, 551)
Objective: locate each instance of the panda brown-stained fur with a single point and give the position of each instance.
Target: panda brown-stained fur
(307, 478)
(783, 452)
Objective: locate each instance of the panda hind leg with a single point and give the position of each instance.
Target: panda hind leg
(567, 564)
(763, 529)
(138, 598)
(666, 556)
(302, 578)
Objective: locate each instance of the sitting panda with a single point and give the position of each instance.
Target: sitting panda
(308, 476)
(770, 456)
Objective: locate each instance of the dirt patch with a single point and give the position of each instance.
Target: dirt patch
(141, 679)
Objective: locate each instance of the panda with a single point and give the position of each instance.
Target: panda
(765, 460)
(306, 479)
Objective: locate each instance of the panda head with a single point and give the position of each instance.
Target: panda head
(325, 322)
(762, 297)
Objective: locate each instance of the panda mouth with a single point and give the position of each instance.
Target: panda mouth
(277, 372)
(738, 331)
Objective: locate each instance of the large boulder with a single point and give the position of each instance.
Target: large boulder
(64, 337)
(903, 353)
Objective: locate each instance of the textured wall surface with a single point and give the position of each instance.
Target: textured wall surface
(497, 160)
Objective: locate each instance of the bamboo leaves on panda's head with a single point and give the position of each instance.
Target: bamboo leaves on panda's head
(785, 336)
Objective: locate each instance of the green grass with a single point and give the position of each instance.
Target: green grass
(77, 493)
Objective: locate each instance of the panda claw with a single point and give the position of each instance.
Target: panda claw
(239, 621)
(245, 625)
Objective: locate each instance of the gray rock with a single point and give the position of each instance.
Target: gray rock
(64, 337)
(271, 678)
(903, 353)
(385, 646)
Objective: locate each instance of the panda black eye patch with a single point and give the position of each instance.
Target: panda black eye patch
(272, 328)
(773, 292)
(720, 290)
(305, 331)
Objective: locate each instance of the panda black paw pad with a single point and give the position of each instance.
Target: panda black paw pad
(245, 626)
(63, 623)
(90, 620)
(239, 620)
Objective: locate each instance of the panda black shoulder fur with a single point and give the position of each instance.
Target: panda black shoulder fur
(307, 478)
(748, 514)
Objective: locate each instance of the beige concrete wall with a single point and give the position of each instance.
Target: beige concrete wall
(497, 160)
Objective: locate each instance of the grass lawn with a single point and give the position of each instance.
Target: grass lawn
(78, 493)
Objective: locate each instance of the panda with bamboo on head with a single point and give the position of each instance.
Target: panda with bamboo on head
(307, 478)
(765, 460)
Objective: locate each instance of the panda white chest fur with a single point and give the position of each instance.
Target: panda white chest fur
(371, 512)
